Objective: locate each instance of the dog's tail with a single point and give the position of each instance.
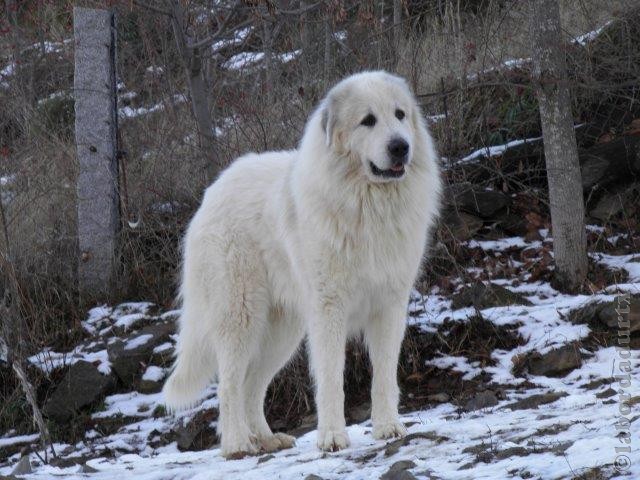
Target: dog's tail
(195, 365)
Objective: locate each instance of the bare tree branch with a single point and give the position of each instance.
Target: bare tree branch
(214, 36)
(298, 11)
(153, 8)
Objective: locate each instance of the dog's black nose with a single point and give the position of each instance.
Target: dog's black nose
(398, 150)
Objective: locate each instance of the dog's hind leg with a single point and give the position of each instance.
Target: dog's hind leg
(281, 338)
(242, 312)
(236, 436)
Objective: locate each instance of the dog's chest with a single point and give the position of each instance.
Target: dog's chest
(389, 250)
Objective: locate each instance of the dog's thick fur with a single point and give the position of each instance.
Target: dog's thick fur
(310, 241)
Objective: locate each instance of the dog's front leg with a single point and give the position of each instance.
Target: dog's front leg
(327, 342)
(384, 336)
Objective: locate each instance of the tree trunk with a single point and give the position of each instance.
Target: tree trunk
(561, 151)
(267, 48)
(22, 78)
(397, 26)
(381, 40)
(305, 40)
(191, 59)
(326, 64)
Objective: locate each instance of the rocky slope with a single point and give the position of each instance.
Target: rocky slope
(502, 377)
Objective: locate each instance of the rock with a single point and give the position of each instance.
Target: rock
(512, 452)
(157, 439)
(149, 386)
(533, 235)
(534, 401)
(610, 162)
(484, 296)
(484, 203)
(394, 446)
(198, 434)
(23, 467)
(63, 461)
(587, 315)
(164, 357)
(152, 380)
(359, 413)
(266, 458)
(462, 226)
(111, 424)
(613, 203)
(82, 386)
(483, 453)
(130, 355)
(555, 363)
(609, 392)
(594, 384)
(88, 469)
(313, 477)
(307, 424)
(617, 313)
(400, 475)
(633, 401)
(482, 400)
(608, 314)
(514, 224)
(440, 397)
(398, 471)
(402, 465)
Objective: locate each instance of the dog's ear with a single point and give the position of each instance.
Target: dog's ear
(328, 120)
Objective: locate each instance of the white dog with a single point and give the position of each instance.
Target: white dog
(326, 241)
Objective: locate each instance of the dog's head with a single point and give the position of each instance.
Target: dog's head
(372, 120)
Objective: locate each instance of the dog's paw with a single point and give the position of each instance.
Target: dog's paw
(389, 430)
(275, 442)
(333, 440)
(239, 448)
(286, 441)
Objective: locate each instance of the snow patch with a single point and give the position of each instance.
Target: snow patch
(585, 38)
(495, 150)
(138, 341)
(153, 374)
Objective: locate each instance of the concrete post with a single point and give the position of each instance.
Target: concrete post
(96, 140)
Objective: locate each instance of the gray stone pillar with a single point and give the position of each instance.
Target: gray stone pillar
(96, 141)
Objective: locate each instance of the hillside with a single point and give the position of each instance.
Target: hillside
(503, 374)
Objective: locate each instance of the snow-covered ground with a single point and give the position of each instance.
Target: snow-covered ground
(562, 439)
(539, 426)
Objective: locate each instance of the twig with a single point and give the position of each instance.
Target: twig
(153, 8)
(214, 36)
(45, 437)
(12, 332)
(299, 11)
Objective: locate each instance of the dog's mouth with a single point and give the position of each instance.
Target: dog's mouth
(394, 172)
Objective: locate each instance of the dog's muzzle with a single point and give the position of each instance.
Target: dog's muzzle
(398, 151)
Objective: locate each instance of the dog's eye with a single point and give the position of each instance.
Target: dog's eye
(399, 114)
(368, 121)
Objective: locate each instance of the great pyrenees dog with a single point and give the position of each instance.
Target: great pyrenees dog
(324, 241)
